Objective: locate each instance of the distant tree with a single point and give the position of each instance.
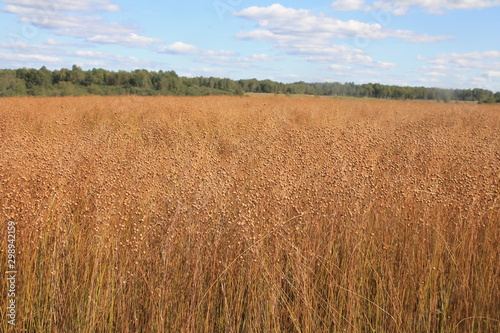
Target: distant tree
(482, 95)
(141, 79)
(63, 75)
(378, 91)
(65, 89)
(10, 85)
(77, 76)
(95, 89)
(239, 91)
(490, 100)
(367, 90)
(43, 82)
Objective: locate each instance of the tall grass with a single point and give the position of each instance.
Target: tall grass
(221, 214)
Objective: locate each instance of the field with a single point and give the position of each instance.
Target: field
(250, 214)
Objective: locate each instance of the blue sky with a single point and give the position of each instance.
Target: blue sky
(440, 43)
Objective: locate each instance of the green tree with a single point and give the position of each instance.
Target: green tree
(141, 79)
(77, 76)
(10, 85)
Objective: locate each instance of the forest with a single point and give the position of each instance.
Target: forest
(78, 82)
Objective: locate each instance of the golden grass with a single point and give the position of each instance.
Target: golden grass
(227, 214)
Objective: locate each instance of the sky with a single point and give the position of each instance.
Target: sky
(431, 43)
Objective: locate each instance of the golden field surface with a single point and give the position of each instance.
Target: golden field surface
(256, 214)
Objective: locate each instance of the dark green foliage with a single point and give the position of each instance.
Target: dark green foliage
(10, 85)
(77, 82)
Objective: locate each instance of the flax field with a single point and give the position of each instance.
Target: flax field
(250, 214)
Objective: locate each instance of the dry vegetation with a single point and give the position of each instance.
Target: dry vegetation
(221, 214)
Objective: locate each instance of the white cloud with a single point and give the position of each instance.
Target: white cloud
(472, 69)
(339, 67)
(222, 58)
(113, 61)
(392, 7)
(218, 58)
(179, 48)
(300, 33)
(494, 74)
(428, 80)
(53, 42)
(281, 22)
(437, 68)
(484, 81)
(339, 54)
(222, 53)
(206, 70)
(400, 7)
(94, 64)
(478, 55)
(467, 61)
(358, 74)
(65, 18)
(290, 77)
(258, 57)
(49, 53)
(28, 57)
(436, 74)
(131, 39)
(347, 5)
(66, 5)
(90, 54)
(23, 47)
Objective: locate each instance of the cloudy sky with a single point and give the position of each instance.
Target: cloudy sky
(438, 43)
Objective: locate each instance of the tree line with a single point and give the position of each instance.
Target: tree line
(77, 82)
